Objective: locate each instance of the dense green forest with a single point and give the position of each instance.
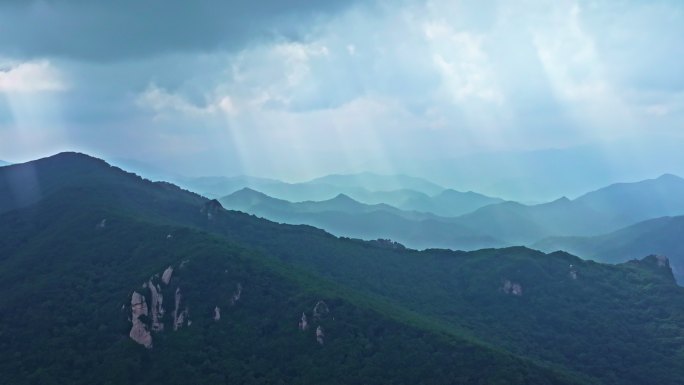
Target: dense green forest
(82, 236)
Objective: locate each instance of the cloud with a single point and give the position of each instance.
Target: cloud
(103, 30)
(309, 87)
(462, 62)
(32, 76)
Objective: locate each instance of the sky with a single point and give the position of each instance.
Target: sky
(526, 99)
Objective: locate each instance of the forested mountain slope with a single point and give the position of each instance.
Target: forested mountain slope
(89, 239)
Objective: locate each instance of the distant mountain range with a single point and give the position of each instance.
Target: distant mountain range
(447, 203)
(3, 163)
(317, 189)
(377, 182)
(344, 216)
(404, 192)
(413, 221)
(663, 236)
(110, 278)
(595, 213)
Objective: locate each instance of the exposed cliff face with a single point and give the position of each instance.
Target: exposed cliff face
(178, 318)
(166, 275)
(139, 332)
(320, 335)
(146, 319)
(303, 323)
(512, 288)
(236, 295)
(320, 311)
(181, 319)
(662, 261)
(157, 306)
(211, 208)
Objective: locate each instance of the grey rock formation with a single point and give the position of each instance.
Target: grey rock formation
(320, 311)
(157, 309)
(139, 332)
(662, 261)
(320, 335)
(166, 275)
(211, 208)
(236, 295)
(217, 313)
(303, 323)
(178, 318)
(512, 288)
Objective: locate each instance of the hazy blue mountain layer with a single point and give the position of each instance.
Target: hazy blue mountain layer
(344, 216)
(407, 193)
(376, 182)
(663, 236)
(598, 212)
(492, 225)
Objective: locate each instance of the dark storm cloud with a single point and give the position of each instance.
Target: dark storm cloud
(114, 30)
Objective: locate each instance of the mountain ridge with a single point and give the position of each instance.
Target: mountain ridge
(660, 236)
(553, 309)
(344, 216)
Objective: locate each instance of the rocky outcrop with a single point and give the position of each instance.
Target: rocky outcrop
(320, 311)
(157, 308)
(320, 335)
(236, 295)
(102, 224)
(178, 318)
(303, 323)
(139, 332)
(211, 208)
(662, 261)
(147, 310)
(166, 275)
(573, 272)
(513, 288)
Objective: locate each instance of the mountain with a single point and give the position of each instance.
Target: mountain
(447, 203)
(84, 267)
(376, 182)
(450, 203)
(635, 202)
(216, 187)
(3, 163)
(400, 191)
(518, 223)
(346, 217)
(250, 200)
(598, 212)
(661, 236)
(79, 258)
